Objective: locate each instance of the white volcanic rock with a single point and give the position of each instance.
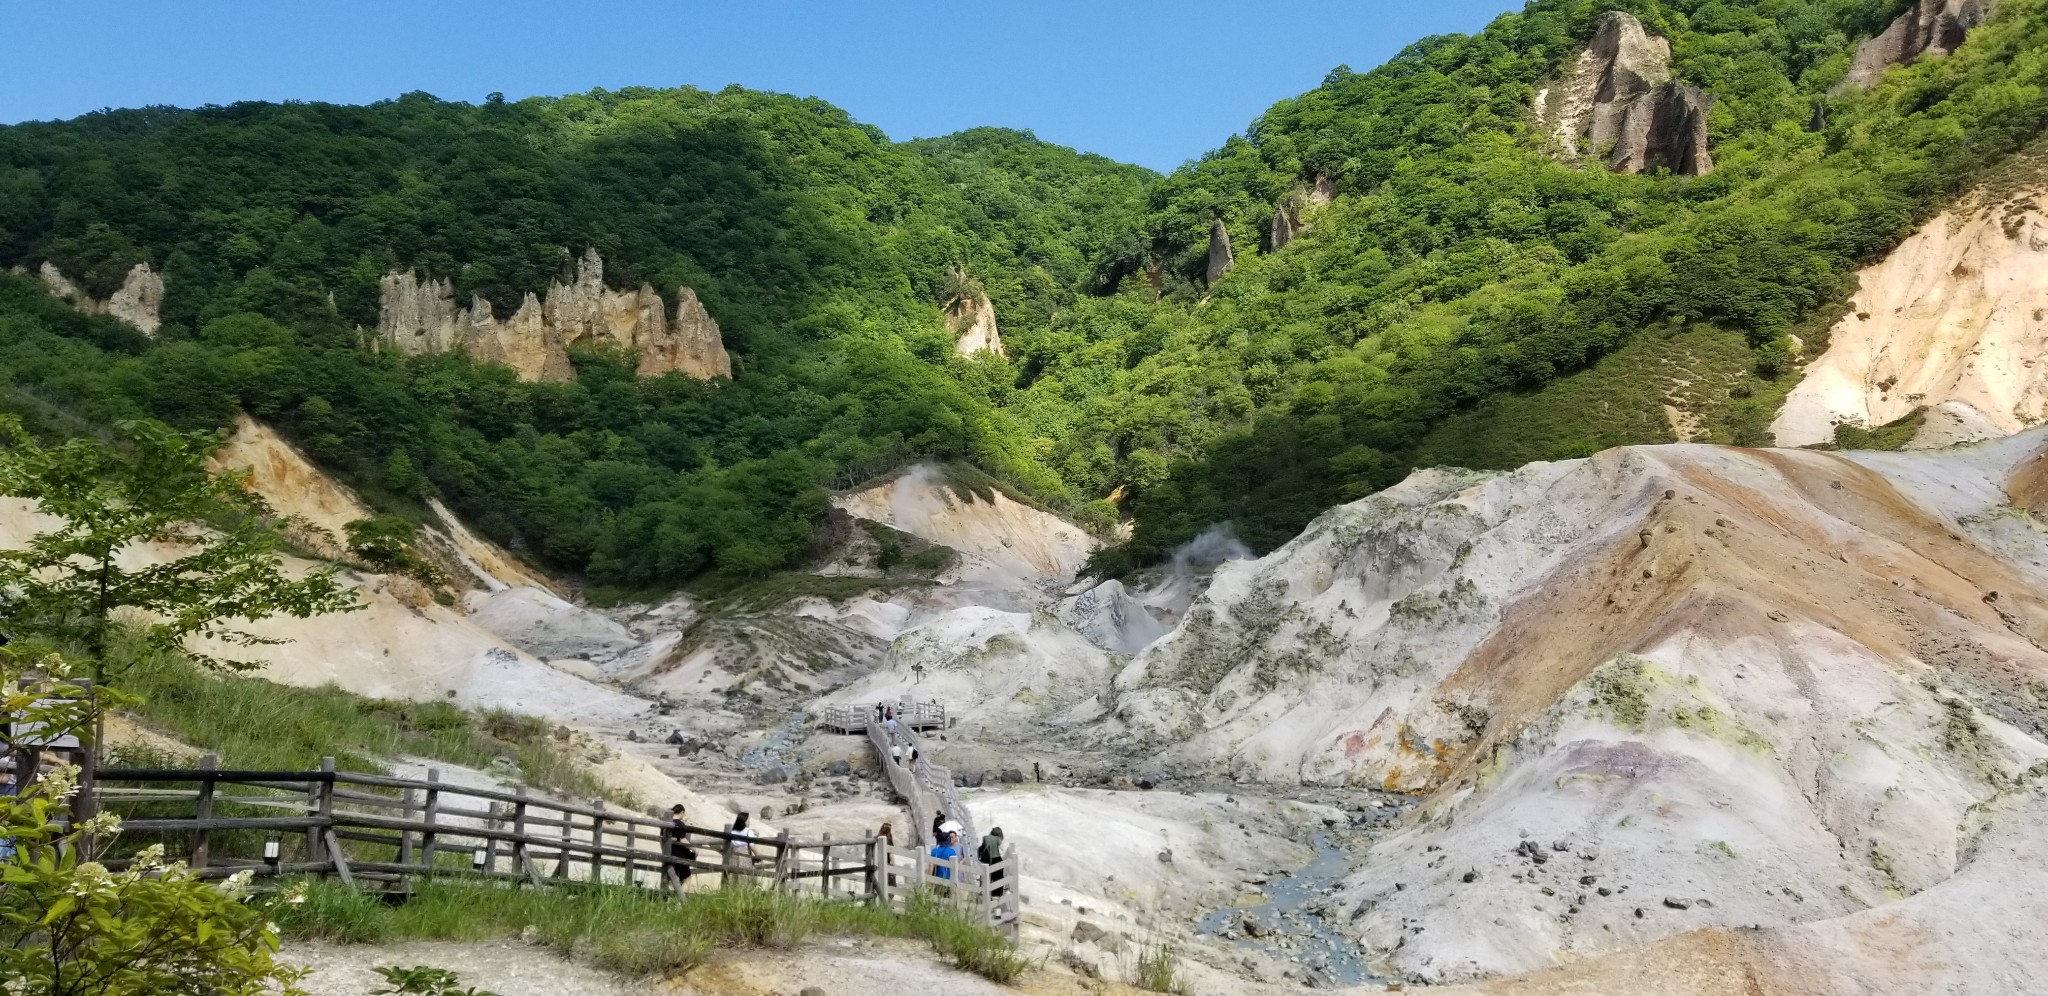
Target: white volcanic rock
(1110, 617)
(1015, 538)
(1792, 684)
(1001, 668)
(1953, 318)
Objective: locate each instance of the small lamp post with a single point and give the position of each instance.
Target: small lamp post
(476, 860)
(272, 854)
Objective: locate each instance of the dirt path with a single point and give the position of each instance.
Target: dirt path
(837, 967)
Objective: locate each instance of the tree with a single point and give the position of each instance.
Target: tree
(143, 527)
(71, 927)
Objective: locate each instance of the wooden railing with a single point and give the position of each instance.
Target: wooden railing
(374, 828)
(855, 718)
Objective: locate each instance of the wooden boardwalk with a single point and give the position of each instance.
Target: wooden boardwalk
(927, 787)
(378, 831)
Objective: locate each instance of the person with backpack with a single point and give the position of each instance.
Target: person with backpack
(991, 855)
(678, 843)
(938, 823)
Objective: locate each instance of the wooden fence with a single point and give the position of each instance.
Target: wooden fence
(365, 828)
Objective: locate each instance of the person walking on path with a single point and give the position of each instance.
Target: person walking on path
(888, 835)
(938, 823)
(944, 851)
(991, 856)
(678, 843)
(739, 851)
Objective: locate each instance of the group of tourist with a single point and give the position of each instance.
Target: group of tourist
(739, 846)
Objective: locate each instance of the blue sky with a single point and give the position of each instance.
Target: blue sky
(1149, 82)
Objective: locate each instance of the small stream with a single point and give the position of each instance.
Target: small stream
(1294, 924)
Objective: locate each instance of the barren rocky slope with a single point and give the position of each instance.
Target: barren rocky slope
(1952, 320)
(1660, 689)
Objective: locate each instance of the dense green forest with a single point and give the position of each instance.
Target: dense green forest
(1465, 298)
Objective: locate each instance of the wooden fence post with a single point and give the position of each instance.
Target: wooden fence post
(201, 835)
(781, 858)
(320, 805)
(428, 836)
(521, 860)
(596, 847)
(825, 865)
(407, 801)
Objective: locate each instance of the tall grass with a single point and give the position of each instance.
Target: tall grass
(257, 724)
(1158, 968)
(636, 931)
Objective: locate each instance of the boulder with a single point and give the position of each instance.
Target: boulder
(1221, 259)
(1929, 26)
(1012, 776)
(1087, 933)
(969, 779)
(840, 768)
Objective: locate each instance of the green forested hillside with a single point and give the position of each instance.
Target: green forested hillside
(1466, 297)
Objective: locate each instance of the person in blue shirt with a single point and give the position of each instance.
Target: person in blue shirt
(945, 851)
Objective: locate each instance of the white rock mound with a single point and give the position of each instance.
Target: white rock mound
(1018, 541)
(1728, 686)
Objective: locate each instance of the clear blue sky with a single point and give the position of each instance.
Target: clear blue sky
(1143, 81)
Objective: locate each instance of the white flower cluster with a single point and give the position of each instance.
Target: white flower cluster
(90, 878)
(237, 885)
(60, 782)
(296, 895)
(103, 824)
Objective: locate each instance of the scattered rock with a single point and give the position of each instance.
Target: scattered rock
(1087, 933)
(840, 768)
(1166, 856)
(1471, 875)
(1013, 776)
(1677, 904)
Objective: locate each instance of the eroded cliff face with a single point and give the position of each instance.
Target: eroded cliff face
(1929, 27)
(972, 320)
(420, 316)
(1953, 320)
(139, 300)
(1620, 104)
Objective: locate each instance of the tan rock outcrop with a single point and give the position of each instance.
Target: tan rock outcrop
(972, 320)
(1953, 319)
(419, 316)
(1221, 259)
(1935, 26)
(1620, 103)
(138, 301)
(1289, 222)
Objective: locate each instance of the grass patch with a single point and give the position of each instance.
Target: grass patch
(1619, 400)
(633, 931)
(1893, 435)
